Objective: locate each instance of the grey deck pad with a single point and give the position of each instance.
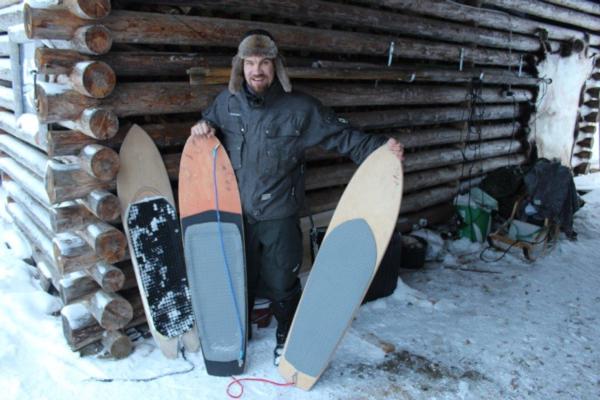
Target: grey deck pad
(156, 245)
(338, 281)
(212, 299)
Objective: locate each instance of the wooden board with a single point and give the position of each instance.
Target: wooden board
(211, 219)
(352, 249)
(154, 238)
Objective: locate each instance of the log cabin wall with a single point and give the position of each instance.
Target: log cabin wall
(453, 80)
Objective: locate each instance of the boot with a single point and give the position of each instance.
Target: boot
(284, 313)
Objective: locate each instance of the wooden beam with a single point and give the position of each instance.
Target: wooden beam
(589, 7)
(548, 11)
(436, 158)
(341, 71)
(27, 156)
(99, 161)
(58, 103)
(353, 16)
(503, 21)
(403, 117)
(149, 28)
(125, 63)
(68, 181)
(91, 78)
(81, 328)
(32, 183)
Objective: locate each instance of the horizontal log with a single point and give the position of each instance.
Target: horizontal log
(419, 137)
(402, 117)
(454, 11)
(108, 243)
(32, 158)
(60, 104)
(76, 285)
(322, 200)
(10, 16)
(72, 252)
(172, 134)
(35, 210)
(107, 276)
(36, 236)
(80, 327)
(6, 98)
(434, 177)
(337, 175)
(353, 16)
(348, 95)
(116, 345)
(102, 204)
(69, 181)
(435, 158)
(149, 28)
(111, 310)
(88, 9)
(590, 7)
(4, 46)
(99, 161)
(548, 11)
(5, 70)
(342, 71)
(8, 124)
(57, 61)
(71, 215)
(91, 78)
(27, 180)
(427, 198)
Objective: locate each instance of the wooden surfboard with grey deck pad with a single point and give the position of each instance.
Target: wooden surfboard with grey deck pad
(348, 259)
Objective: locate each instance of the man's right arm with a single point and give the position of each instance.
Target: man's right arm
(203, 129)
(207, 126)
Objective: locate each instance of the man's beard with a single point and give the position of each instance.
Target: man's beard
(259, 87)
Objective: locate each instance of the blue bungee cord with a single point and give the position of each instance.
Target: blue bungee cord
(227, 268)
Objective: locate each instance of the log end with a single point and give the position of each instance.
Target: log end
(104, 205)
(28, 21)
(96, 78)
(93, 39)
(90, 9)
(116, 345)
(111, 310)
(99, 123)
(100, 161)
(111, 245)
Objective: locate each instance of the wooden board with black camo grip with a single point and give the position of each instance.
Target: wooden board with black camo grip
(213, 239)
(154, 237)
(348, 259)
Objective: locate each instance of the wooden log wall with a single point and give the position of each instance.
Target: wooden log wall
(453, 82)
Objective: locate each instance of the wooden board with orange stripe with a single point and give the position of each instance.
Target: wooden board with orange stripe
(213, 241)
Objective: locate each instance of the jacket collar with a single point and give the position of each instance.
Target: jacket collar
(254, 100)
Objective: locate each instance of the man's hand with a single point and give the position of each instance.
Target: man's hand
(203, 129)
(396, 148)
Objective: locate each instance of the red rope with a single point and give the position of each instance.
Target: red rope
(236, 381)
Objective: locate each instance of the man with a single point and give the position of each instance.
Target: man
(266, 127)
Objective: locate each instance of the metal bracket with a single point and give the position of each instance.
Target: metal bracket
(391, 53)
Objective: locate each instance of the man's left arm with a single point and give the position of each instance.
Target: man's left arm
(338, 135)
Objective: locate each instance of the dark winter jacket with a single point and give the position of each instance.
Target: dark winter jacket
(266, 138)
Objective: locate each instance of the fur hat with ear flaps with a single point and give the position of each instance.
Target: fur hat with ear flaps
(257, 43)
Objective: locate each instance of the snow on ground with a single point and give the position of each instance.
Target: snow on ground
(501, 330)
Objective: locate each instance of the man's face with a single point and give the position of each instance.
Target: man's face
(259, 73)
